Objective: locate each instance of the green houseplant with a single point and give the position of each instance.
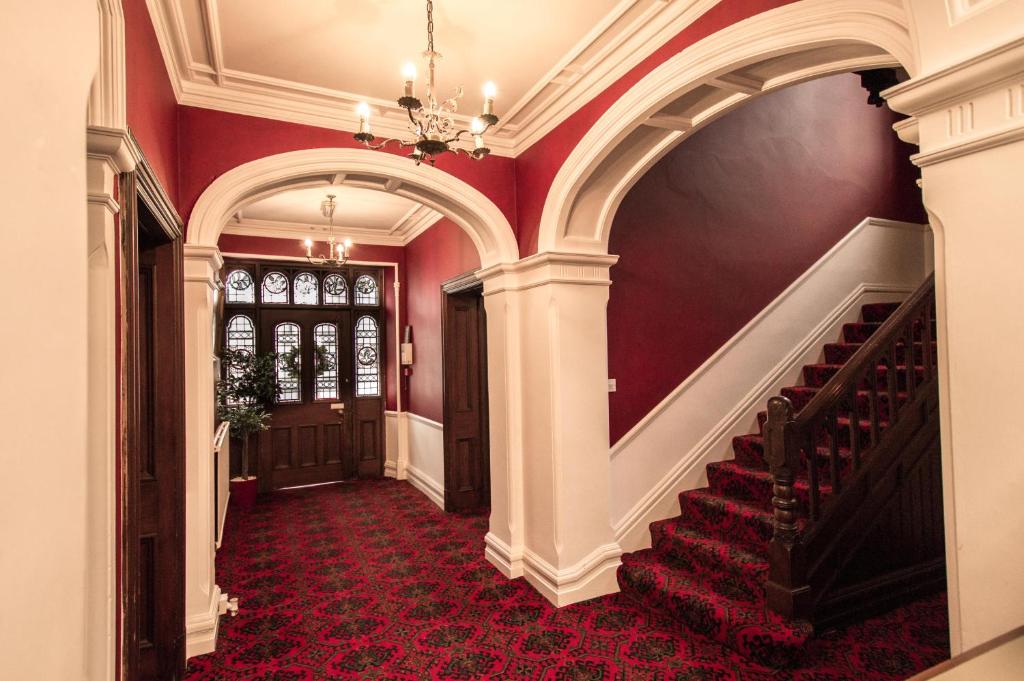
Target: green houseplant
(246, 394)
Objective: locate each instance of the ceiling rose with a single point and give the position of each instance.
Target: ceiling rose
(433, 124)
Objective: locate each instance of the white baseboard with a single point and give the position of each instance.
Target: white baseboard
(426, 484)
(508, 560)
(201, 630)
(424, 467)
(668, 450)
(591, 577)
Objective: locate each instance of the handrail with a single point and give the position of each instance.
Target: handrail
(795, 441)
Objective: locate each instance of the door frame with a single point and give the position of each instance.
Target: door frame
(146, 211)
(467, 283)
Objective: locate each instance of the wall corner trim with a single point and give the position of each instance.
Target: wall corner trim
(201, 630)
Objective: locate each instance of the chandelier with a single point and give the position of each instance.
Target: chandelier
(337, 252)
(433, 124)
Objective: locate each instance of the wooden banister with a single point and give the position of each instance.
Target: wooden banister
(867, 463)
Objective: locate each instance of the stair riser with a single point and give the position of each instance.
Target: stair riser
(750, 452)
(801, 395)
(878, 312)
(859, 332)
(733, 484)
(721, 519)
(679, 548)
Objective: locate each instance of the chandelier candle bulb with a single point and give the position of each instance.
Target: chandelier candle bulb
(409, 75)
(364, 118)
(309, 248)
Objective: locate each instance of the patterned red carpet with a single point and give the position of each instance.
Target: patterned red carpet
(370, 580)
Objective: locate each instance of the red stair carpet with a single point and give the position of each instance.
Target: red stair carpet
(370, 580)
(707, 568)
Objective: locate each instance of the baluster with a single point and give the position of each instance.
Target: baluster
(855, 427)
(811, 450)
(892, 386)
(832, 423)
(874, 411)
(910, 363)
(926, 342)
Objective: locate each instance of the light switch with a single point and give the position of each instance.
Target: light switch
(611, 385)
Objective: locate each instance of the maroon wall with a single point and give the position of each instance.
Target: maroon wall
(151, 107)
(292, 248)
(731, 217)
(442, 252)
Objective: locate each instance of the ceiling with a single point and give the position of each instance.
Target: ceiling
(366, 215)
(311, 61)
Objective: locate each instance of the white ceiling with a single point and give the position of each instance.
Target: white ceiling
(365, 215)
(311, 61)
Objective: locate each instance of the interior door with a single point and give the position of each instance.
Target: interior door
(310, 435)
(466, 452)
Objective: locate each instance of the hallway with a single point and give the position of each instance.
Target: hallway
(370, 580)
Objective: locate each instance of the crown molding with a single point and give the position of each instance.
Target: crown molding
(411, 225)
(631, 32)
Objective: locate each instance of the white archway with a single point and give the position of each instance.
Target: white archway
(483, 221)
(486, 225)
(784, 46)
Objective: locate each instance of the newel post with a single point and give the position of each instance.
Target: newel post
(787, 588)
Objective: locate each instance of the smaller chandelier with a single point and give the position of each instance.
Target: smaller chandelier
(337, 252)
(433, 123)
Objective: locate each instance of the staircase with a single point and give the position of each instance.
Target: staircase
(826, 514)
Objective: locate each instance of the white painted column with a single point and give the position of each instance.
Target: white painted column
(970, 120)
(548, 354)
(202, 595)
(110, 153)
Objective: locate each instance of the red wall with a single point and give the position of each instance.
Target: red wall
(151, 107)
(442, 252)
(731, 217)
(216, 142)
(234, 244)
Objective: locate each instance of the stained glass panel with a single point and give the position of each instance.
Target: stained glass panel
(366, 290)
(239, 288)
(307, 290)
(367, 357)
(275, 288)
(326, 338)
(335, 290)
(288, 345)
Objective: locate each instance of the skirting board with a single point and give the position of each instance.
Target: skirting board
(592, 577)
(201, 630)
(223, 520)
(426, 484)
(509, 561)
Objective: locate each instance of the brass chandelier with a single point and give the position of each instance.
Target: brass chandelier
(433, 123)
(337, 251)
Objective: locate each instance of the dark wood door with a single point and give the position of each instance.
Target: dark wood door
(153, 512)
(310, 435)
(466, 453)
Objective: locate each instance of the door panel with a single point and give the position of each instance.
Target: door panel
(467, 464)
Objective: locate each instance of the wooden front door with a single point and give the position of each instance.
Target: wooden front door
(153, 518)
(327, 327)
(310, 436)
(467, 478)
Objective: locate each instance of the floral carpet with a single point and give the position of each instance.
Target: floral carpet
(370, 580)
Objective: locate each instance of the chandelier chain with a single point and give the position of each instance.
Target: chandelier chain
(430, 27)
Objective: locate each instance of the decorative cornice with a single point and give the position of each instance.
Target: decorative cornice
(116, 146)
(628, 34)
(545, 268)
(202, 263)
(406, 230)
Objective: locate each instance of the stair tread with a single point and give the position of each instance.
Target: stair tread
(725, 551)
(763, 474)
(723, 608)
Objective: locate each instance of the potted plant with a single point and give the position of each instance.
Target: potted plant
(246, 394)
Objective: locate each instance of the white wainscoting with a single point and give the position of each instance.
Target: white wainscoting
(880, 260)
(425, 468)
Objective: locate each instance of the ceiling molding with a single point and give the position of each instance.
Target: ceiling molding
(412, 224)
(632, 31)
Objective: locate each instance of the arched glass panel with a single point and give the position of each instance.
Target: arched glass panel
(335, 290)
(275, 288)
(367, 358)
(288, 346)
(366, 290)
(241, 334)
(325, 336)
(239, 288)
(307, 290)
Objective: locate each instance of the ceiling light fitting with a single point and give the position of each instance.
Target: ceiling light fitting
(433, 124)
(337, 252)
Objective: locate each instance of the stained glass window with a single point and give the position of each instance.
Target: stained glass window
(275, 288)
(241, 335)
(326, 338)
(335, 290)
(240, 288)
(307, 290)
(366, 290)
(288, 345)
(367, 359)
